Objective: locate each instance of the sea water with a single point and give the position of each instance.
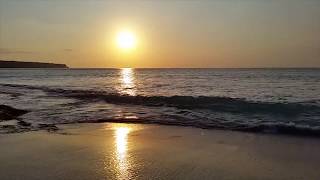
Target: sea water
(256, 100)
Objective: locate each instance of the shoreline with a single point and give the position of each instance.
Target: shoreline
(121, 151)
(11, 123)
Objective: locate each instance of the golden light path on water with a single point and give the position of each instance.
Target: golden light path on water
(121, 131)
(127, 81)
(121, 134)
(121, 147)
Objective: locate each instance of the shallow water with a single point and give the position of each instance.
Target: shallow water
(257, 100)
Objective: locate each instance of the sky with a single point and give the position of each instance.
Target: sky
(169, 33)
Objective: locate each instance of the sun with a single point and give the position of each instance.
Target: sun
(126, 40)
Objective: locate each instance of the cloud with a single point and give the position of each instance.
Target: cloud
(14, 51)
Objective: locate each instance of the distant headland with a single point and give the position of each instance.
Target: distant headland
(24, 64)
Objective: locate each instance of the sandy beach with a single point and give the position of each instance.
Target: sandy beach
(134, 151)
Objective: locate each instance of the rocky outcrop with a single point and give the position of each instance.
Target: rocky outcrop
(8, 113)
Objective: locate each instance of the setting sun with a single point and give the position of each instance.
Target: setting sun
(126, 40)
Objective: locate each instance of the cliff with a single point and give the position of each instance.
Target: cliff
(21, 64)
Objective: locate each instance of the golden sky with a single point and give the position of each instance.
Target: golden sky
(217, 33)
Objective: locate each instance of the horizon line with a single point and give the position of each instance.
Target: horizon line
(195, 67)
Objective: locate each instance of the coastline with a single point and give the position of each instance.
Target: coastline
(122, 151)
(29, 64)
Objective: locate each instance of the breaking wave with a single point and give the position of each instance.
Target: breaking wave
(229, 107)
(212, 103)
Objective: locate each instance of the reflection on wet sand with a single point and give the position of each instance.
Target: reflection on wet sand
(127, 81)
(121, 141)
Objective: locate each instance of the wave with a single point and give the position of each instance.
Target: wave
(267, 128)
(209, 112)
(219, 104)
(211, 103)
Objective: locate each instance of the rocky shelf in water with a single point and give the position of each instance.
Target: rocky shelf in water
(8, 113)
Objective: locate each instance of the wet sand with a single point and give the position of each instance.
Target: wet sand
(133, 151)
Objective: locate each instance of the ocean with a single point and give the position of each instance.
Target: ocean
(277, 101)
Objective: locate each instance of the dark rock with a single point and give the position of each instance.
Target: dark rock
(8, 113)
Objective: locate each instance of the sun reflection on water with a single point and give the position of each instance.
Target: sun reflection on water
(121, 135)
(120, 159)
(121, 141)
(127, 81)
